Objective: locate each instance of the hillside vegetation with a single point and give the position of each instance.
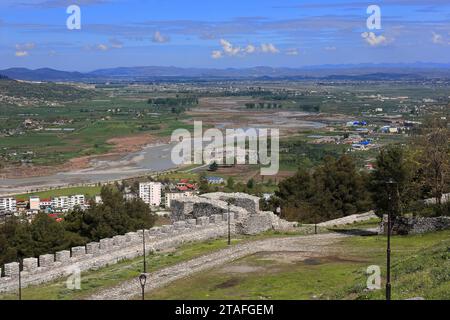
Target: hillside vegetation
(42, 91)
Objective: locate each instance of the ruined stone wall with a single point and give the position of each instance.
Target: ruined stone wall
(95, 255)
(194, 219)
(239, 199)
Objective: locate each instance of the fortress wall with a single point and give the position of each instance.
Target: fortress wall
(95, 255)
(195, 219)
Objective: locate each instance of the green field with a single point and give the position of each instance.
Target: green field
(89, 192)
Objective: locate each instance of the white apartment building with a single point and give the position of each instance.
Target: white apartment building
(169, 196)
(8, 205)
(150, 193)
(77, 200)
(65, 203)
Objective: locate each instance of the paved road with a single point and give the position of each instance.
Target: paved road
(313, 245)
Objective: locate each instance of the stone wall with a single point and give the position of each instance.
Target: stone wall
(415, 225)
(95, 255)
(194, 219)
(349, 219)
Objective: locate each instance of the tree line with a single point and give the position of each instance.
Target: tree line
(404, 176)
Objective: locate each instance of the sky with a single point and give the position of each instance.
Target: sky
(221, 34)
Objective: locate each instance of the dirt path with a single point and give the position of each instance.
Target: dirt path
(314, 245)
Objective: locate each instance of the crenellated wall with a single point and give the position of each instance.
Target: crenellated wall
(194, 219)
(95, 255)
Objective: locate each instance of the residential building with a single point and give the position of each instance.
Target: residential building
(169, 196)
(215, 180)
(65, 203)
(45, 203)
(35, 203)
(76, 200)
(60, 203)
(8, 205)
(98, 200)
(150, 193)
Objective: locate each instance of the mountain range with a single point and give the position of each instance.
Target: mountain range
(416, 71)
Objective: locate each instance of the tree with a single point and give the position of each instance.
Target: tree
(251, 183)
(334, 189)
(230, 183)
(393, 164)
(213, 166)
(435, 155)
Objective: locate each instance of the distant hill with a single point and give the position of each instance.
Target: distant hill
(42, 91)
(43, 74)
(416, 71)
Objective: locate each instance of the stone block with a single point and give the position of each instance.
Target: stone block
(12, 269)
(132, 237)
(62, 256)
(105, 244)
(167, 228)
(216, 218)
(46, 260)
(93, 248)
(202, 221)
(119, 241)
(191, 222)
(155, 231)
(78, 251)
(179, 224)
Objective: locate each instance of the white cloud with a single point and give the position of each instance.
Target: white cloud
(269, 48)
(22, 49)
(228, 48)
(292, 52)
(250, 48)
(216, 54)
(102, 47)
(159, 38)
(438, 38)
(373, 40)
(21, 53)
(231, 50)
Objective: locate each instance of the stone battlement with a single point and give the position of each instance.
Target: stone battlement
(194, 219)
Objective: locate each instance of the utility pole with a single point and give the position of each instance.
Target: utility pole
(390, 183)
(143, 250)
(229, 224)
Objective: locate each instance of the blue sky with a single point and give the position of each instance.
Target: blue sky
(220, 34)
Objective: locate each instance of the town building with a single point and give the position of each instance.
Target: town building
(35, 203)
(8, 205)
(150, 193)
(215, 180)
(169, 196)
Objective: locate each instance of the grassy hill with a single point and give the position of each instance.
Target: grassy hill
(42, 91)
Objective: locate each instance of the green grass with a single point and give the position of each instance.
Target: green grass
(87, 191)
(420, 268)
